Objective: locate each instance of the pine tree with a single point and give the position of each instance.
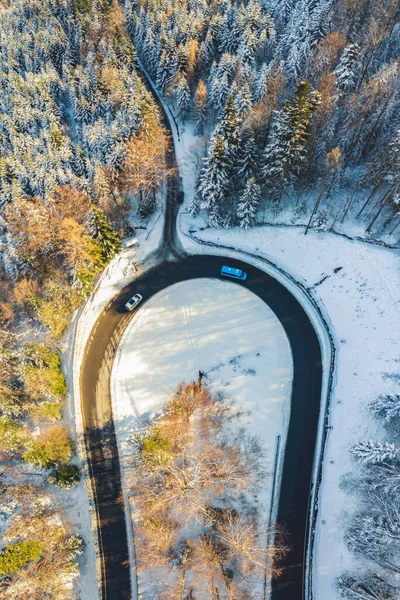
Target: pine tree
(229, 128)
(346, 71)
(387, 407)
(276, 153)
(295, 42)
(103, 234)
(231, 34)
(209, 49)
(201, 59)
(194, 206)
(248, 204)
(247, 49)
(213, 74)
(289, 136)
(261, 82)
(214, 217)
(281, 9)
(129, 11)
(243, 101)
(149, 52)
(183, 96)
(163, 71)
(214, 176)
(77, 161)
(227, 65)
(181, 58)
(173, 61)
(247, 159)
(200, 107)
(301, 111)
(370, 451)
(219, 92)
(320, 20)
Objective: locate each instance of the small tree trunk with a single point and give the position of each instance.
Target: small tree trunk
(347, 208)
(372, 194)
(314, 210)
(353, 144)
(377, 215)
(335, 219)
(389, 220)
(394, 228)
(183, 582)
(300, 194)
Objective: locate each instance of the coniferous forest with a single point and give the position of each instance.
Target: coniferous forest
(300, 99)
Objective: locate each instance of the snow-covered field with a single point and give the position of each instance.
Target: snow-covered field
(357, 286)
(215, 327)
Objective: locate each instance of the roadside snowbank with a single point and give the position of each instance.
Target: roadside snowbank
(357, 286)
(220, 329)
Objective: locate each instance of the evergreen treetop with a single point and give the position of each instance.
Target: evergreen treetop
(103, 234)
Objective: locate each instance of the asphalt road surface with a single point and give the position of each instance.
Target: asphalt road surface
(100, 437)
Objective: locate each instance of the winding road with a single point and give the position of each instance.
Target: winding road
(175, 265)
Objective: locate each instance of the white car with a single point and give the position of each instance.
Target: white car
(134, 301)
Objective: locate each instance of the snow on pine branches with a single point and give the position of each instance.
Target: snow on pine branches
(373, 532)
(370, 451)
(387, 407)
(248, 204)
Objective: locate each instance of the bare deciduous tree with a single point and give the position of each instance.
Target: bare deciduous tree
(196, 476)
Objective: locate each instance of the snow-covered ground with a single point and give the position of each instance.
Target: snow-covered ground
(216, 327)
(357, 286)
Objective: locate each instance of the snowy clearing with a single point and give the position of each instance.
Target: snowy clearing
(218, 328)
(357, 286)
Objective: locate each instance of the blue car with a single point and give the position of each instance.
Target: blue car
(234, 273)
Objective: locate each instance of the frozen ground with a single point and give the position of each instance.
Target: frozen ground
(218, 328)
(357, 286)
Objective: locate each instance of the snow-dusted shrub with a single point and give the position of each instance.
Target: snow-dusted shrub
(65, 477)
